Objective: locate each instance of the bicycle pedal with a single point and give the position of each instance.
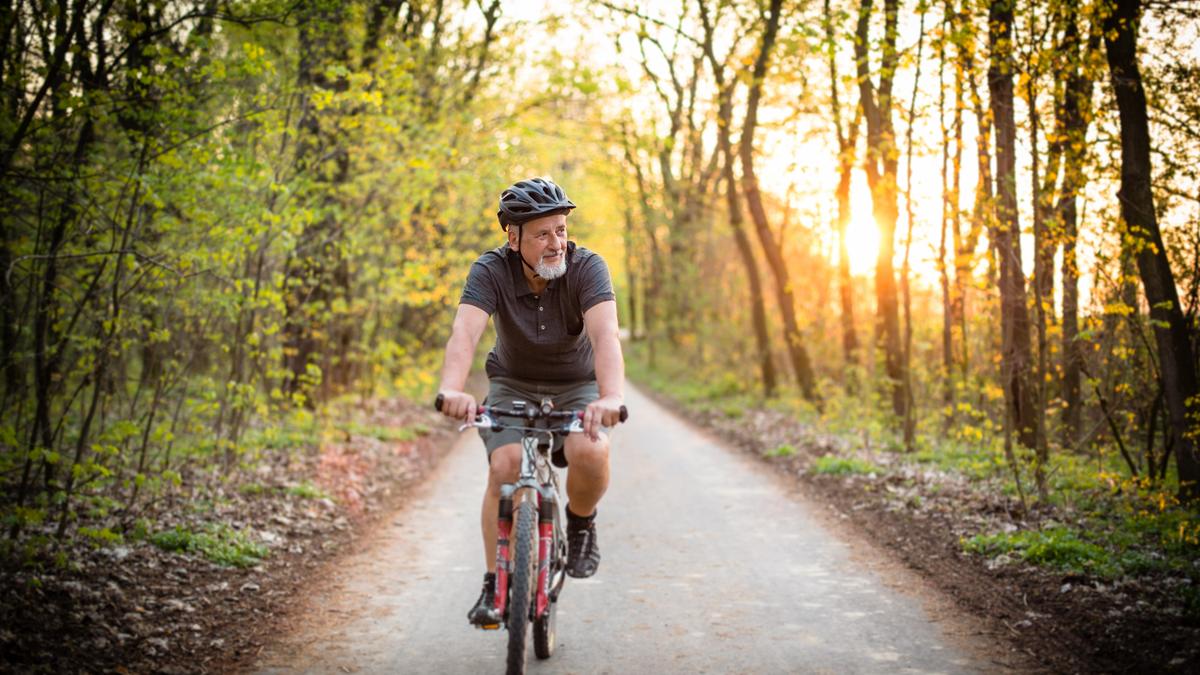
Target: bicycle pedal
(489, 626)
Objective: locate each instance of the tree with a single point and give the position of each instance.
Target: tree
(881, 164)
(766, 238)
(1142, 240)
(1016, 349)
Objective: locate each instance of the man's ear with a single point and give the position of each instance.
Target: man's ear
(514, 233)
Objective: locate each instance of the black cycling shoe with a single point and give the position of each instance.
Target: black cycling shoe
(583, 553)
(484, 614)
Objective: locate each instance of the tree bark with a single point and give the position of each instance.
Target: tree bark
(1075, 111)
(1016, 359)
(766, 238)
(881, 168)
(1144, 242)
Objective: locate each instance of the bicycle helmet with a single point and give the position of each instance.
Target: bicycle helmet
(527, 200)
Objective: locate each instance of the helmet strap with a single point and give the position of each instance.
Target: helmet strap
(521, 235)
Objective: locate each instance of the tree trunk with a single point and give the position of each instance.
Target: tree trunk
(1075, 111)
(847, 142)
(1144, 242)
(783, 284)
(1016, 359)
(881, 168)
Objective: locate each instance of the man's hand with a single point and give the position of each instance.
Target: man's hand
(604, 411)
(458, 405)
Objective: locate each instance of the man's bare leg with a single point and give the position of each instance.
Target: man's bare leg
(505, 467)
(587, 475)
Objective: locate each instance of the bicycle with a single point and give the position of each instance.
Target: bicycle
(534, 495)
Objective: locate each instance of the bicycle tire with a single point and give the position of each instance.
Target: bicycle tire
(521, 584)
(545, 627)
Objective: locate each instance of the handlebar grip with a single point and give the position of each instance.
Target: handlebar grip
(624, 413)
(437, 402)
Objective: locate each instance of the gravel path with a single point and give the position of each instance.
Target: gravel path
(711, 564)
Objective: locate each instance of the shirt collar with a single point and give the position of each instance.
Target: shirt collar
(518, 272)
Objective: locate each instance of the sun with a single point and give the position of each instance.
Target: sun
(862, 238)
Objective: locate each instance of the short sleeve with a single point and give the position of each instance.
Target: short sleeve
(480, 289)
(596, 283)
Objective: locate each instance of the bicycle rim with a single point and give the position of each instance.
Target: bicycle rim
(521, 585)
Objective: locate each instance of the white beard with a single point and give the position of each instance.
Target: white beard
(548, 272)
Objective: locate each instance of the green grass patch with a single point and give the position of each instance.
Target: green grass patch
(843, 466)
(785, 450)
(1056, 547)
(253, 489)
(219, 543)
(307, 490)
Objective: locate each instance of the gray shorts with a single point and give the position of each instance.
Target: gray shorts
(502, 391)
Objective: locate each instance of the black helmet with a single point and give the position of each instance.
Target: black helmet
(530, 199)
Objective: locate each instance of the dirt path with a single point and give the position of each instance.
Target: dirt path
(711, 564)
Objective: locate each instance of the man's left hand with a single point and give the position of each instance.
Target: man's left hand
(604, 411)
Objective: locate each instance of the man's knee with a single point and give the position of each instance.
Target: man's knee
(504, 465)
(584, 453)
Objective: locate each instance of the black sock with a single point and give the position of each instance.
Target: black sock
(578, 522)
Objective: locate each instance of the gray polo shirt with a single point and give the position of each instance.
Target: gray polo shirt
(539, 337)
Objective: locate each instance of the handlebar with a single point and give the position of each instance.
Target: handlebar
(529, 413)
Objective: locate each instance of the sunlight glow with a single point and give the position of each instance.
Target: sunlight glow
(862, 235)
(862, 240)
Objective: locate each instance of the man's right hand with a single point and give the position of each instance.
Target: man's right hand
(458, 405)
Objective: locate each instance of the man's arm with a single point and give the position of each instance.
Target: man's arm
(469, 324)
(601, 324)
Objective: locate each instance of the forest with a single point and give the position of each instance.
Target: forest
(961, 233)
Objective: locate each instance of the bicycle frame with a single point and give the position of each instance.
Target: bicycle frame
(538, 481)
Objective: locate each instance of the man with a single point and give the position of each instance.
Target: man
(556, 335)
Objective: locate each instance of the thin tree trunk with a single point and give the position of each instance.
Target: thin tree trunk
(1016, 356)
(847, 142)
(766, 238)
(881, 167)
(1144, 240)
(733, 204)
(1076, 110)
(910, 421)
(949, 206)
(1043, 258)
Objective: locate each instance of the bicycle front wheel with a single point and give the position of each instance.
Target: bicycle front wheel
(521, 584)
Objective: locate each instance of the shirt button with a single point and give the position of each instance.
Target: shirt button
(543, 328)
(539, 309)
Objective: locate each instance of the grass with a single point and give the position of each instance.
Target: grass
(220, 544)
(307, 490)
(833, 465)
(785, 450)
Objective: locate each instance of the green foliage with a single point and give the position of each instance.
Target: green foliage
(785, 450)
(1056, 547)
(220, 544)
(843, 466)
(307, 490)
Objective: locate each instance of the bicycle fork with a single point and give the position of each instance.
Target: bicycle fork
(546, 508)
(503, 532)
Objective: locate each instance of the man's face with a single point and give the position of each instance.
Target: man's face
(543, 244)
